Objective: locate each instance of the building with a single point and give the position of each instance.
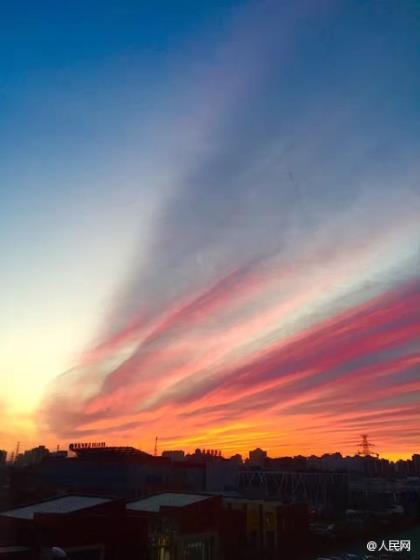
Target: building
(415, 459)
(236, 459)
(205, 456)
(165, 526)
(383, 495)
(123, 471)
(15, 553)
(84, 526)
(273, 529)
(257, 457)
(176, 455)
(32, 456)
(298, 463)
(59, 454)
(178, 524)
(195, 526)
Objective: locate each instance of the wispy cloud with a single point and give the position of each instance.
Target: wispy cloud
(279, 289)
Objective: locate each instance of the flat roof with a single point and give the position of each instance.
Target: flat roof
(7, 549)
(66, 504)
(154, 503)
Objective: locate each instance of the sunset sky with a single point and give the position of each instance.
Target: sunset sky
(210, 225)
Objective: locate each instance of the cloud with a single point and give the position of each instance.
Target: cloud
(179, 378)
(279, 288)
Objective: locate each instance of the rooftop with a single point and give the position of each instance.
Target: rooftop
(8, 549)
(66, 504)
(154, 503)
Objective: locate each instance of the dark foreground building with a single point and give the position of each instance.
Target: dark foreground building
(166, 526)
(126, 472)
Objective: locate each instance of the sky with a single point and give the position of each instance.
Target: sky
(210, 225)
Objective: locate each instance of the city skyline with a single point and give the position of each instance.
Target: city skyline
(210, 226)
(366, 459)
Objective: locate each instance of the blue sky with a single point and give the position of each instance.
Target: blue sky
(147, 148)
